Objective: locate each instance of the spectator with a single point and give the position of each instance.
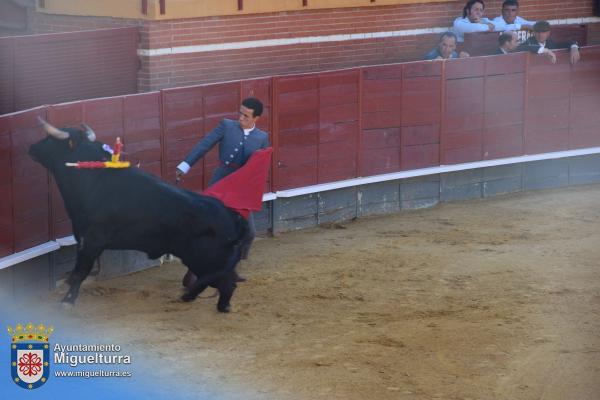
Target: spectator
(472, 20)
(509, 20)
(445, 49)
(507, 43)
(541, 43)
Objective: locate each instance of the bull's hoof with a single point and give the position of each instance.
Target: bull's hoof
(223, 309)
(66, 305)
(187, 297)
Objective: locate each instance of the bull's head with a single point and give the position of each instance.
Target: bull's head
(67, 145)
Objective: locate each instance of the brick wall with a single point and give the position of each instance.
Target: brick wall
(342, 21)
(213, 66)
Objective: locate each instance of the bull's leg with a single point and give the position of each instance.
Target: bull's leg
(193, 292)
(227, 283)
(189, 279)
(83, 266)
(226, 286)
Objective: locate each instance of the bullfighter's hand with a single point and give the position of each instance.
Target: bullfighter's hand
(178, 174)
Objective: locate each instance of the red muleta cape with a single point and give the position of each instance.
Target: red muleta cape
(242, 190)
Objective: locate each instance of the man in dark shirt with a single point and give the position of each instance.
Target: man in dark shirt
(541, 42)
(507, 43)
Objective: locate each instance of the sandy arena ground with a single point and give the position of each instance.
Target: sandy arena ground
(486, 299)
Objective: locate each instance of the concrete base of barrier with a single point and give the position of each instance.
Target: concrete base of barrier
(27, 280)
(40, 274)
(413, 193)
(378, 198)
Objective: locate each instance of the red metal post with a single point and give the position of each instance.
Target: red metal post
(163, 7)
(275, 185)
(442, 150)
(359, 141)
(525, 103)
(145, 7)
(240, 5)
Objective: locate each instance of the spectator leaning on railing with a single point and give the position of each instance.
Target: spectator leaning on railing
(510, 20)
(541, 43)
(445, 49)
(472, 20)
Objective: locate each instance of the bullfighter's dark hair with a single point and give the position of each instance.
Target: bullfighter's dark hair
(510, 3)
(469, 4)
(254, 104)
(447, 34)
(504, 38)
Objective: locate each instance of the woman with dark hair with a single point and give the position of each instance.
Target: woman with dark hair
(472, 20)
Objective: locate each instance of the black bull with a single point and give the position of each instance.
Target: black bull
(130, 209)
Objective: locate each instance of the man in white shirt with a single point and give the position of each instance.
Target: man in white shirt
(510, 20)
(472, 20)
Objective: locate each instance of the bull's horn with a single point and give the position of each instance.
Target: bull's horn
(52, 131)
(91, 135)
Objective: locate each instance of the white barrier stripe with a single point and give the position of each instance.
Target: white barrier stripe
(252, 44)
(28, 254)
(45, 248)
(66, 241)
(432, 171)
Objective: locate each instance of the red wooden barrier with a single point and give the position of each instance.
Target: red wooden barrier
(297, 130)
(142, 131)
(6, 189)
(31, 214)
(7, 72)
(504, 106)
(183, 125)
(381, 104)
(324, 126)
(421, 114)
(584, 116)
(338, 125)
(463, 112)
(548, 93)
(70, 114)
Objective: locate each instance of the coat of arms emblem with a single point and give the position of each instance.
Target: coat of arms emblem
(30, 355)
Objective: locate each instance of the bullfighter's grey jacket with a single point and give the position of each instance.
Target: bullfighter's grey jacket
(236, 145)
